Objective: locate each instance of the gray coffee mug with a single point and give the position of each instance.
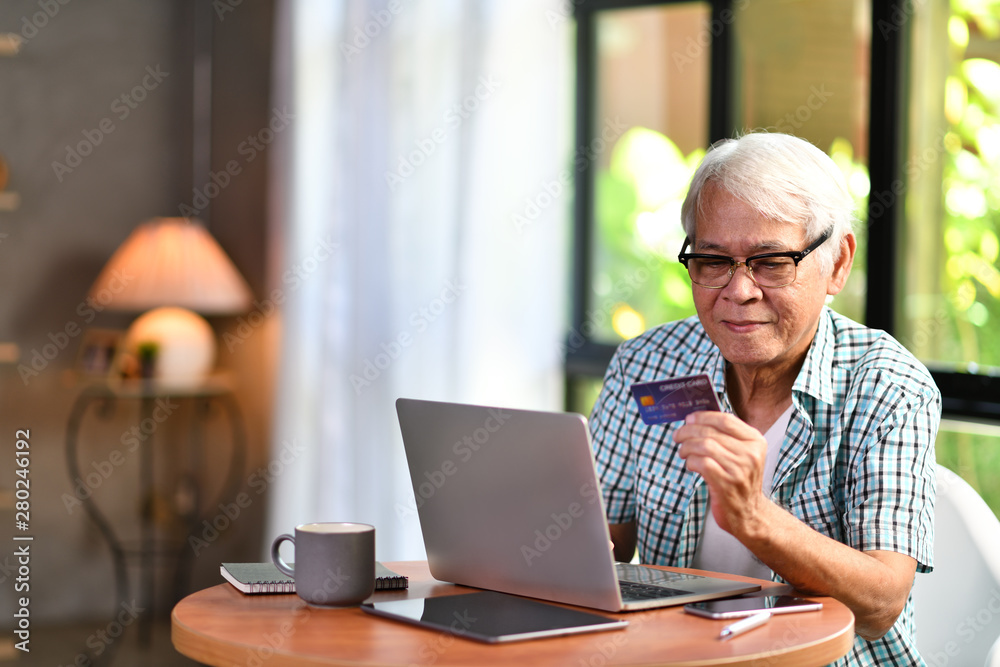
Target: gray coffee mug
(334, 562)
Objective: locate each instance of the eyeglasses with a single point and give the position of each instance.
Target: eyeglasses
(772, 269)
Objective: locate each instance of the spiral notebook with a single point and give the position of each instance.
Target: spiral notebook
(255, 578)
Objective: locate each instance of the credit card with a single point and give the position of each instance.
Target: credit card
(675, 398)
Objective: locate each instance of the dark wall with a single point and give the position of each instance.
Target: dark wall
(89, 165)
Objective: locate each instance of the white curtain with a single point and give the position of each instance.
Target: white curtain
(421, 236)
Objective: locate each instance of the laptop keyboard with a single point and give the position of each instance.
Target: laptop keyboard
(635, 591)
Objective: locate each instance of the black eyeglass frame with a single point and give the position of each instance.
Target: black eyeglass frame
(796, 257)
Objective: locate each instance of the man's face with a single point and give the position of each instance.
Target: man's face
(752, 325)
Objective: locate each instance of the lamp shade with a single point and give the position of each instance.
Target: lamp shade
(171, 262)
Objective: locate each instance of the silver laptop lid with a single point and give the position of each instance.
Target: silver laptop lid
(508, 501)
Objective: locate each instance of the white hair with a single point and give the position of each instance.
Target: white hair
(784, 178)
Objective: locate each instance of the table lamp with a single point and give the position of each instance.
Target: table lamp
(174, 269)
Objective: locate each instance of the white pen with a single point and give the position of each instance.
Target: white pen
(745, 624)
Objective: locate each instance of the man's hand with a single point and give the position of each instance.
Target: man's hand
(729, 454)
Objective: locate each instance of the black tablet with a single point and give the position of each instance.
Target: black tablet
(493, 617)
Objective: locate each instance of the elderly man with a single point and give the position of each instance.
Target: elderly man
(820, 470)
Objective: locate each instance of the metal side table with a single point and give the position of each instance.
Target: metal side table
(104, 399)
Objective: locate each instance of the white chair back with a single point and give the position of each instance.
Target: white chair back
(957, 606)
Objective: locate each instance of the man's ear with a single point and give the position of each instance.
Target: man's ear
(842, 266)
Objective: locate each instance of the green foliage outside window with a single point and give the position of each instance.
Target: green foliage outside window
(969, 279)
(970, 192)
(639, 282)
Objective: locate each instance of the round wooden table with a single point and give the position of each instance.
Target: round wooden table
(221, 626)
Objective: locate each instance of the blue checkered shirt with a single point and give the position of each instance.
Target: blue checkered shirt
(857, 462)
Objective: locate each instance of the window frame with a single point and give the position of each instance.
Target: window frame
(965, 395)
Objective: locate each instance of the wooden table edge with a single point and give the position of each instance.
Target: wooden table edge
(208, 650)
(826, 650)
(205, 648)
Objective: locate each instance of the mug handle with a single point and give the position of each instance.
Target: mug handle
(276, 556)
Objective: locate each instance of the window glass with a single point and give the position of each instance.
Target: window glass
(803, 69)
(652, 75)
(800, 68)
(950, 301)
(582, 393)
(972, 450)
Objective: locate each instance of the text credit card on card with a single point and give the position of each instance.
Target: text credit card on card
(675, 398)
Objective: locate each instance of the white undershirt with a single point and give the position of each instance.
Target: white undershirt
(719, 551)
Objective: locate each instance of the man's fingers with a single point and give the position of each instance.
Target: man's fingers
(723, 421)
(710, 468)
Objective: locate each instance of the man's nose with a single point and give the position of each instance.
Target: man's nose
(742, 286)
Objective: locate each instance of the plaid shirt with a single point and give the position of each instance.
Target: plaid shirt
(857, 463)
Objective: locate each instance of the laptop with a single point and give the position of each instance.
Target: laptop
(508, 501)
